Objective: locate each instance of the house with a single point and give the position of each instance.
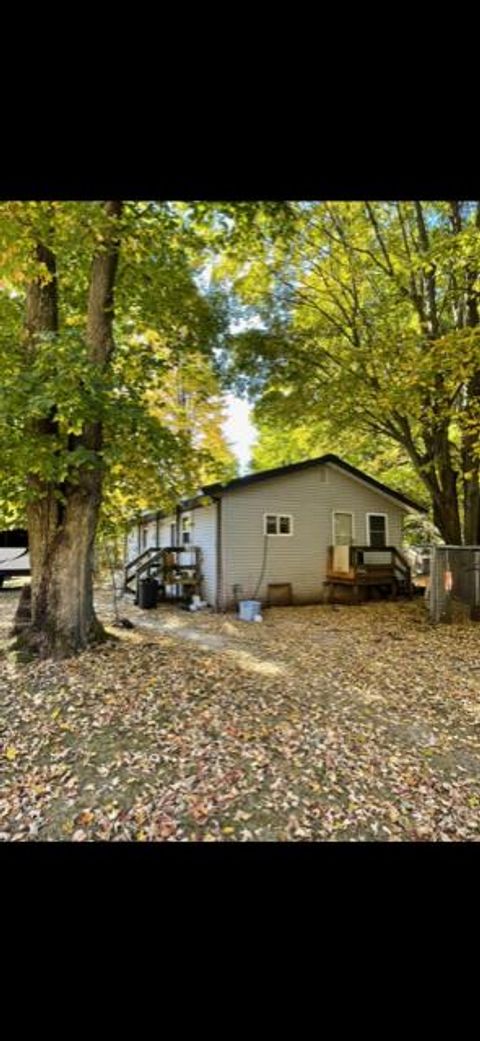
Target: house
(297, 533)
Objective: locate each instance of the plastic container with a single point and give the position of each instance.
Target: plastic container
(249, 609)
(147, 593)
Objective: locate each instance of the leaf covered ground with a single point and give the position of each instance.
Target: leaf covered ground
(345, 723)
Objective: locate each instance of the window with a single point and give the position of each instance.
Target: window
(186, 530)
(144, 537)
(173, 534)
(342, 529)
(377, 529)
(277, 524)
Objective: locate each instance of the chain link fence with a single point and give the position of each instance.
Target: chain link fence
(454, 593)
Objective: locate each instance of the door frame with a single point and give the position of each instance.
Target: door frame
(349, 513)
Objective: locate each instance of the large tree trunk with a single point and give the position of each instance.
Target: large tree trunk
(470, 468)
(62, 520)
(62, 616)
(434, 467)
(446, 518)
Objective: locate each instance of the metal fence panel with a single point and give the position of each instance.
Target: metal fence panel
(455, 583)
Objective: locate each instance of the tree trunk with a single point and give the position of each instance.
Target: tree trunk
(449, 508)
(435, 470)
(62, 521)
(446, 518)
(471, 500)
(63, 619)
(471, 488)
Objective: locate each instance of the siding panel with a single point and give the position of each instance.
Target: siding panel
(203, 536)
(300, 558)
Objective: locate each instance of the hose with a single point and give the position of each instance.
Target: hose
(264, 563)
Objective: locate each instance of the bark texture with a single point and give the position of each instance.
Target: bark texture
(62, 520)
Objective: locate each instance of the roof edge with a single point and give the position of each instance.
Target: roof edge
(263, 475)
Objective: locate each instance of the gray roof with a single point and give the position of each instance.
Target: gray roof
(279, 471)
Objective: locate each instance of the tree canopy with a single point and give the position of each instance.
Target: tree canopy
(367, 327)
(158, 399)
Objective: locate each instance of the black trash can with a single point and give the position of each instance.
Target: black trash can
(147, 593)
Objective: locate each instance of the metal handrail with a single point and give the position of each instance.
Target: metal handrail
(148, 563)
(145, 552)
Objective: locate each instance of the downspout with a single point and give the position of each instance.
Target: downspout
(157, 532)
(178, 514)
(218, 596)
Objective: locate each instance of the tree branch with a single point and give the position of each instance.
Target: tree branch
(374, 223)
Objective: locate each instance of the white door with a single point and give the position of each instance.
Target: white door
(342, 529)
(342, 540)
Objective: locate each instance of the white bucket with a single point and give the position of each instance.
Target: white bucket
(249, 609)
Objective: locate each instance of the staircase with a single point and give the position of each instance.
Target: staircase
(146, 565)
(165, 564)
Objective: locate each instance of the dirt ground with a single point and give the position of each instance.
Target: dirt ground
(321, 723)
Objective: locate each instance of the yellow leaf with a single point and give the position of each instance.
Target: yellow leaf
(85, 818)
(55, 713)
(140, 836)
(11, 752)
(228, 831)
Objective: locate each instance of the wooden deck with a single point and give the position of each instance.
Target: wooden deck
(358, 573)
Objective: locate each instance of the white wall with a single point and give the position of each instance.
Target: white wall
(203, 526)
(300, 558)
(203, 536)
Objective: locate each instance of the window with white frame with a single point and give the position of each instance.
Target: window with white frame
(186, 529)
(277, 524)
(377, 530)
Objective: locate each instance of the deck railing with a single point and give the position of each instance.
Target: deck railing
(370, 565)
(140, 564)
(165, 563)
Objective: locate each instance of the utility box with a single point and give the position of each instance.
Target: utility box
(279, 593)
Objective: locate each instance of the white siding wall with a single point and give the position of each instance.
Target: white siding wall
(134, 544)
(151, 534)
(203, 535)
(348, 493)
(132, 550)
(300, 558)
(165, 526)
